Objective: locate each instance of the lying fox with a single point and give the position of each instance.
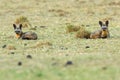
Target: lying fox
(24, 35)
(103, 33)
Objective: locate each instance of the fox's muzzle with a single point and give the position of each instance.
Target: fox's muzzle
(104, 28)
(18, 32)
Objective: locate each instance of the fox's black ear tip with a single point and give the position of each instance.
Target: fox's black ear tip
(20, 25)
(13, 24)
(107, 21)
(100, 22)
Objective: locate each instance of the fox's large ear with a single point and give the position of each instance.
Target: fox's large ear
(20, 26)
(100, 23)
(107, 22)
(14, 26)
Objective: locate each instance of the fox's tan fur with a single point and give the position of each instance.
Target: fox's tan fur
(18, 35)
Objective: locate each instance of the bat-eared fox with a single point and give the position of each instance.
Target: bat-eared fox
(103, 33)
(24, 35)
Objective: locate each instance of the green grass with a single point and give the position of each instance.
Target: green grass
(98, 62)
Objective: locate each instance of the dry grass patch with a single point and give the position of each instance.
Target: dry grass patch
(41, 44)
(9, 47)
(83, 33)
(59, 12)
(24, 21)
(72, 28)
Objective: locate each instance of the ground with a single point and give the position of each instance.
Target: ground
(58, 55)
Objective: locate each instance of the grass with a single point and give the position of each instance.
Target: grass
(93, 59)
(23, 20)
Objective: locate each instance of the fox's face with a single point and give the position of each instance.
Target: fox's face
(104, 27)
(18, 29)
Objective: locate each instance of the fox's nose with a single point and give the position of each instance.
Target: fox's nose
(17, 32)
(104, 28)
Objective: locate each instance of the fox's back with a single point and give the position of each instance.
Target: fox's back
(95, 34)
(29, 35)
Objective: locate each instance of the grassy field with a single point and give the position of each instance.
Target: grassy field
(58, 55)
